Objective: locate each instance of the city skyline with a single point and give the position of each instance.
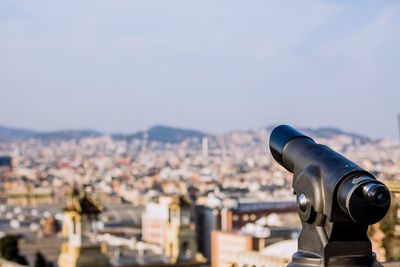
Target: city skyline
(211, 66)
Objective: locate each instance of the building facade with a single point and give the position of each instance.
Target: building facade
(79, 219)
(167, 222)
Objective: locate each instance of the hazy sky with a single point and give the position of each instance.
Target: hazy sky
(210, 65)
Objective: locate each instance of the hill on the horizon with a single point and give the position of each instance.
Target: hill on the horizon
(68, 134)
(9, 133)
(329, 132)
(163, 134)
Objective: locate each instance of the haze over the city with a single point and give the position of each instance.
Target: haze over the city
(212, 66)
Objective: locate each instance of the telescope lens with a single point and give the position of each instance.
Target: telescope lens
(381, 199)
(376, 193)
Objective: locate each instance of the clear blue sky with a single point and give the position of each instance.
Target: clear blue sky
(210, 65)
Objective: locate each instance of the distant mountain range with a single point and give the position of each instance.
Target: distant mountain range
(7, 133)
(156, 133)
(159, 133)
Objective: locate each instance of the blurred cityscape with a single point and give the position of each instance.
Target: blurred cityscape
(165, 197)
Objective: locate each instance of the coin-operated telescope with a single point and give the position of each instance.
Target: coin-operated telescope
(336, 199)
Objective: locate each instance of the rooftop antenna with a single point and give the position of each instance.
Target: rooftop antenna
(145, 140)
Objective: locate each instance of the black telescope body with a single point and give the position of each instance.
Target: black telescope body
(336, 198)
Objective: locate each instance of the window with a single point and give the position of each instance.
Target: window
(186, 251)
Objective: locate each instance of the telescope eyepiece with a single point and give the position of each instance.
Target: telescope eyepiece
(364, 199)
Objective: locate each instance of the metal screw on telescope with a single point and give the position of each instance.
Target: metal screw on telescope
(302, 202)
